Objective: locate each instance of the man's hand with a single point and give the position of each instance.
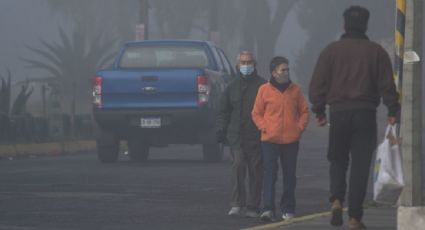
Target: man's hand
(392, 120)
(221, 136)
(321, 121)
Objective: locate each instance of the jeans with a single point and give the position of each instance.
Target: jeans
(352, 135)
(287, 154)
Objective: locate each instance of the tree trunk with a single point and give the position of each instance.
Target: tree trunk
(261, 33)
(73, 104)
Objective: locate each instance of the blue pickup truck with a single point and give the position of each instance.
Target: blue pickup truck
(159, 93)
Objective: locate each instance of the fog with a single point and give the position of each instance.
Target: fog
(298, 29)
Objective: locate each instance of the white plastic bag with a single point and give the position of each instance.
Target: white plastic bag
(388, 176)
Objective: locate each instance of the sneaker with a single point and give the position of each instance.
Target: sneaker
(336, 213)
(235, 211)
(252, 213)
(267, 216)
(356, 224)
(288, 216)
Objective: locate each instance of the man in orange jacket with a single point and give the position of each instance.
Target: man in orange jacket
(281, 114)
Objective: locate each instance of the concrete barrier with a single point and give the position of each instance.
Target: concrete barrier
(411, 218)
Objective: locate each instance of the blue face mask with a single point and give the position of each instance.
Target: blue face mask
(246, 69)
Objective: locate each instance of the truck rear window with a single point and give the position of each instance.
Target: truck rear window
(164, 57)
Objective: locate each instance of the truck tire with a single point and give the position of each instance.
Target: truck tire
(138, 151)
(212, 152)
(107, 147)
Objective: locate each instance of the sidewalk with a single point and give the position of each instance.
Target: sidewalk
(380, 218)
(46, 149)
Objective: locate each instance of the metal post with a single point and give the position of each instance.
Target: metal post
(411, 122)
(399, 43)
(144, 18)
(410, 213)
(214, 34)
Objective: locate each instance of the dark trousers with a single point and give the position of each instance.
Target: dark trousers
(246, 158)
(287, 154)
(352, 135)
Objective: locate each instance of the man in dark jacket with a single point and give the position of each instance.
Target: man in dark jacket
(235, 126)
(351, 76)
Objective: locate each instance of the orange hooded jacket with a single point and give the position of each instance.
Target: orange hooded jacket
(280, 116)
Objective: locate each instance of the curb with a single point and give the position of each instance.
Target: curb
(46, 149)
(292, 221)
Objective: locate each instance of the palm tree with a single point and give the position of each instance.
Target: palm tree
(20, 102)
(71, 64)
(18, 106)
(5, 92)
(116, 17)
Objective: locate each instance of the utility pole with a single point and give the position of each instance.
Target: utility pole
(411, 213)
(142, 29)
(400, 32)
(214, 33)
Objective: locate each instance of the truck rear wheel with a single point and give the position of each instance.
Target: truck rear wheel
(212, 152)
(138, 151)
(107, 147)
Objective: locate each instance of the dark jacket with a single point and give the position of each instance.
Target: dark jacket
(237, 101)
(353, 73)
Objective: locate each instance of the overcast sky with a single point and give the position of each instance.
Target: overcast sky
(23, 23)
(26, 22)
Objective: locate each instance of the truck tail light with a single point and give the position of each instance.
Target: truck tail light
(203, 90)
(97, 91)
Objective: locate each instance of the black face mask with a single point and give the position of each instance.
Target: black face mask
(282, 78)
(280, 86)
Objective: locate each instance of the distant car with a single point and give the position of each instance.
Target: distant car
(160, 93)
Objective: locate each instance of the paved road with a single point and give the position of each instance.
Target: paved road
(175, 190)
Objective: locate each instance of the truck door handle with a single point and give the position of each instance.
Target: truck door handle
(150, 78)
(149, 89)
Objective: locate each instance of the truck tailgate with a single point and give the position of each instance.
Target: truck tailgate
(135, 89)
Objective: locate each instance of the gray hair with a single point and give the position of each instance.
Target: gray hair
(245, 52)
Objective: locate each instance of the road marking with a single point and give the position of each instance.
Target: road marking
(86, 195)
(290, 222)
(4, 227)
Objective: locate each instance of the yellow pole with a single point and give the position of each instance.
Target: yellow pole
(399, 43)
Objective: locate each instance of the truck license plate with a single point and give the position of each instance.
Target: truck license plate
(150, 122)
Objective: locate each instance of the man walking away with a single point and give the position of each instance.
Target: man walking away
(351, 76)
